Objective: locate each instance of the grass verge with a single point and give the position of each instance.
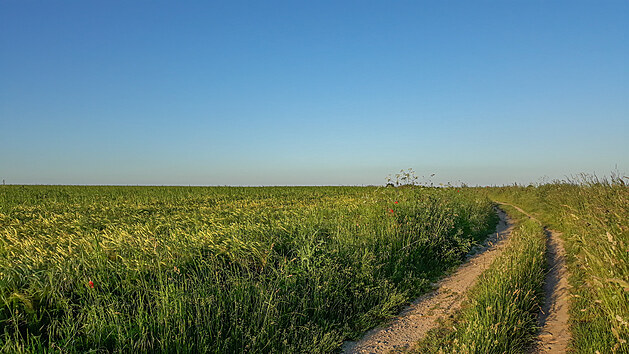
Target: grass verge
(501, 310)
(593, 215)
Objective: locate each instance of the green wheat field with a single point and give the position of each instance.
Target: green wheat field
(295, 269)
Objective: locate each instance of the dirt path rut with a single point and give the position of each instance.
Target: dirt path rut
(554, 334)
(415, 321)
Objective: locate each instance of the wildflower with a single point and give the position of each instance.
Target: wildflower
(390, 210)
(91, 284)
(395, 202)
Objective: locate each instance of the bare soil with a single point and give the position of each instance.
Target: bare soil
(555, 333)
(422, 315)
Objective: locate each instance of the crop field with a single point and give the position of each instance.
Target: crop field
(221, 269)
(342, 177)
(302, 269)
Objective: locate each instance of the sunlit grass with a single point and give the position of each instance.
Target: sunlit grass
(593, 215)
(500, 312)
(145, 269)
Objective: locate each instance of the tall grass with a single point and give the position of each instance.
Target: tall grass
(145, 269)
(501, 310)
(593, 215)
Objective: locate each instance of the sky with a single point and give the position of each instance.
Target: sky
(312, 92)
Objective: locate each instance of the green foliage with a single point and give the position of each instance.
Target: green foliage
(500, 314)
(181, 269)
(593, 215)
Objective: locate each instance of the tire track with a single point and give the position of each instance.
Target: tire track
(554, 336)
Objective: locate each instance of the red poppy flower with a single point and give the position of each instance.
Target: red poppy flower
(395, 202)
(91, 284)
(390, 210)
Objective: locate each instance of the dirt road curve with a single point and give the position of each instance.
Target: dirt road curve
(415, 321)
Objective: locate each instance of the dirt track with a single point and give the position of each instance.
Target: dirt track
(554, 334)
(421, 316)
(415, 321)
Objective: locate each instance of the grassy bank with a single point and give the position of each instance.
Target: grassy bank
(593, 215)
(501, 310)
(145, 269)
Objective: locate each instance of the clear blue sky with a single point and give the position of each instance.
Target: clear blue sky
(311, 92)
